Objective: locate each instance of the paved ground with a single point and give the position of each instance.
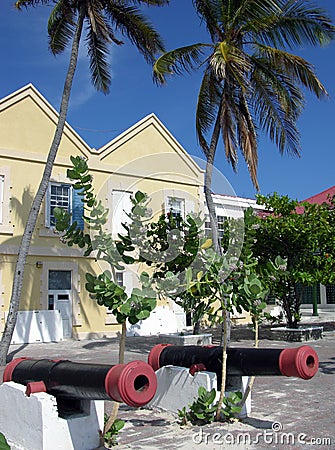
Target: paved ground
(287, 413)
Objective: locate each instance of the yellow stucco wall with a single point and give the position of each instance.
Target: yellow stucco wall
(146, 157)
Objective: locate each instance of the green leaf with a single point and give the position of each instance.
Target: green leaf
(3, 443)
(211, 396)
(118, 424)
(142, 315)
(140, 196)
(73, 174)
(128, 259)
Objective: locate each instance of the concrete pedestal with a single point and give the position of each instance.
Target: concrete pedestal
(177, 388)
(32, 423)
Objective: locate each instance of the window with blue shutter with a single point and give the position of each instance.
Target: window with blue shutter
(65, 197)
(77, 208)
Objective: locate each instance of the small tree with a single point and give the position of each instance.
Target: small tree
(306, 240)
(213, 285)
(140, 302)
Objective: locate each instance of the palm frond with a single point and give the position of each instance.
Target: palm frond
(61, 26)
(247, 138)
(295, 67)
(227, 58)
(276, 112)
(228, 130)
(184, 59)
(97, 20)
(300, 22)
(208, 103)
(99, 66)
(150, 2)
(19, 4)
(131, 23)
(254, 15)
(210, 13)
(287, 91)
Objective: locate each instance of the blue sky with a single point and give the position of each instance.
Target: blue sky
(99, 118)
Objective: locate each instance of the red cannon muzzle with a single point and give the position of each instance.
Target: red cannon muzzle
(302, 362)
(133, 383)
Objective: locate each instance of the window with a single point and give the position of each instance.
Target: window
(176, 206)
(220, 220)
(65, 197)
(60, 197)
(59, 280)
(120, 278)
(121, 206)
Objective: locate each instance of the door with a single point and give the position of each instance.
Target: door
(60, 297)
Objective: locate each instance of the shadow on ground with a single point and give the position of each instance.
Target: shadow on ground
(258, 423)
(327, 367)
(11, 355)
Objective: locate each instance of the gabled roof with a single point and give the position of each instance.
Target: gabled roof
(150, 120)
(30, 91)
(322, 197)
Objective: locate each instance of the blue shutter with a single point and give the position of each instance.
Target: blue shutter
(77, 209)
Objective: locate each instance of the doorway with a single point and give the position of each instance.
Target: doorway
(60, 297)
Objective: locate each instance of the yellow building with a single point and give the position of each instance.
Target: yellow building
(145, 157)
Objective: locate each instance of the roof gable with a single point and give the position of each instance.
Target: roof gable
(149, 138)
(31, 116)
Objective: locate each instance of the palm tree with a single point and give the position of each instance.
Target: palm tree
(101, 19)
(251, 83)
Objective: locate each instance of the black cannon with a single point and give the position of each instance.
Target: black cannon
(133, 383)
(299, 362)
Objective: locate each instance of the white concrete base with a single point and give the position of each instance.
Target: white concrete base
(177, 388)
(38, 326)
(32, 423)
(186, 339)
(161, 320)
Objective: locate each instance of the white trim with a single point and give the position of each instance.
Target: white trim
(75, 280)
(5, 223)
(48, 201)
(169, 205)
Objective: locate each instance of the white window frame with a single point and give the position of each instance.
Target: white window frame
(48, 202)
(220, 221)
(169, 206)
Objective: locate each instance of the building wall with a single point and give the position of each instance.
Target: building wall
(145, 157)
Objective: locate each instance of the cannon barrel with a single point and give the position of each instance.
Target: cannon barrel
(299, 362)
(133, 383)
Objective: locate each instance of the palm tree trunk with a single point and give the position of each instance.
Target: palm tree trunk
(36, 205)
(210, 156)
